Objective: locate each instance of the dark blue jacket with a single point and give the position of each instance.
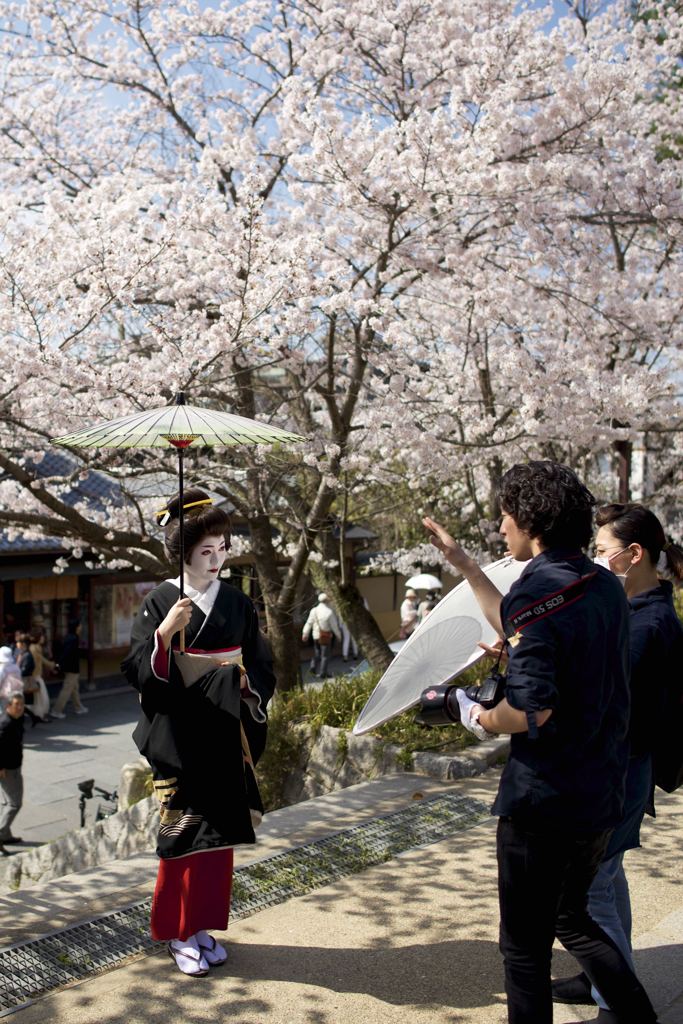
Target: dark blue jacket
(26, 664)
(656, 660)
(70, 657)
(11, 741)
(571, 621)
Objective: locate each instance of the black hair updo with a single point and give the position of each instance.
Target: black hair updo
(199, 521)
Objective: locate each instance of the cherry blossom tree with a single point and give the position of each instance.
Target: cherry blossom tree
(434, 238)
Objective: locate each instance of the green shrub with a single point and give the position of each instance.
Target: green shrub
(338, 704)
(404, 760)
(282, 754)
(678, 600)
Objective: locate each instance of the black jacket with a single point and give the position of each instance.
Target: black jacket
(26, 664)
(569, 623)
(11, 741)
(70, 658)
(656, 659)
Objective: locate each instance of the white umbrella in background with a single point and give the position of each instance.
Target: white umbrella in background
(424, 581)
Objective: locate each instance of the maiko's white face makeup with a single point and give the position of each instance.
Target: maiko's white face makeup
(206, 561)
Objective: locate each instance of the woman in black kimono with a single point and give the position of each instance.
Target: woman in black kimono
(202, 728)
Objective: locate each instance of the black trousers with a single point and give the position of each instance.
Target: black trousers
(543, 880)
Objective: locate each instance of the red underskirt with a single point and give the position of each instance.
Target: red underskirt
(192, 893)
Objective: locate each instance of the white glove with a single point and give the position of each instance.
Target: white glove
(467, 709)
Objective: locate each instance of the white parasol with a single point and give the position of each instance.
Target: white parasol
(424, 581)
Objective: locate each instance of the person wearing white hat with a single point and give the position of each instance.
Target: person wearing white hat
(322, 624)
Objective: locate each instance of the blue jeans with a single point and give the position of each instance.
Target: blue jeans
(609, 902)
(319, 660)
(609, 905)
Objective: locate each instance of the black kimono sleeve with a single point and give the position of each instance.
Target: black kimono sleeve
(260, 683)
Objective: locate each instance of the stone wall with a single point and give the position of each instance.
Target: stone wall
(113, 838)
(332, 759)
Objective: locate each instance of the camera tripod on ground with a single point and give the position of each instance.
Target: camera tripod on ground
(87, 790)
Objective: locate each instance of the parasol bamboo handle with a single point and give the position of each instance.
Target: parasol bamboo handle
(182, 640)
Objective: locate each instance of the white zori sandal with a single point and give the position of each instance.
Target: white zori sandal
(188, 957)
(212, 951)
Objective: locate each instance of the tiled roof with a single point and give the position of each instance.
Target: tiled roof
(19, 544)
(92, 489)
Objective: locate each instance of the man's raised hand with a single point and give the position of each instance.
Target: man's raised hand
(447, 545)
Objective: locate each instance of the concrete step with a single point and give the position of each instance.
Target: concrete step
(38, 909)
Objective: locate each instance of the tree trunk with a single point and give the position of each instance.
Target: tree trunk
(624, 451)
(495, 473)
(282, 634)
(284, 643)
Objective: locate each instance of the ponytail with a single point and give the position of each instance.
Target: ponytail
(672, 556)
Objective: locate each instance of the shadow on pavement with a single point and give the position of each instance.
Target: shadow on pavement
(455, 973)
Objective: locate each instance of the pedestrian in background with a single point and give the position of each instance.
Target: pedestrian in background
(15, 642)
(322, 624)
(26, 666)
(11, 756)
(70, 664)
(41, 665)
(408, 614)
(348, 642)
(426, 605)
(10, 676)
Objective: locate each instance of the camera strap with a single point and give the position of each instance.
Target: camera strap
(549, 605)
(496, 667)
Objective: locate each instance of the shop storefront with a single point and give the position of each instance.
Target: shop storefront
(113, 602)
(34, 599)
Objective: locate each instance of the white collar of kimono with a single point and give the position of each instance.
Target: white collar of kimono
(204, 599)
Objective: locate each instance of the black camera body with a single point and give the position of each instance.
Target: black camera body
(439, 705)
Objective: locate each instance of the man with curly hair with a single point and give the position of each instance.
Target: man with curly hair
(566, 708)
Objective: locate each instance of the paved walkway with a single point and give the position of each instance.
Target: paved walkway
(59, 755)
(413, 941)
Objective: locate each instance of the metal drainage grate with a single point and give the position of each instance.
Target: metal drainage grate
(34, 968)
(309, 867)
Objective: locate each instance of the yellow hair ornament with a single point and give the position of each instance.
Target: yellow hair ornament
(166, 515)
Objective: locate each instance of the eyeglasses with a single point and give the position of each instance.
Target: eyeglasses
(604, 551)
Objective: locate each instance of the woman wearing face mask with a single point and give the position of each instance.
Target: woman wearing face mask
(631, 543)
(202, 727)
